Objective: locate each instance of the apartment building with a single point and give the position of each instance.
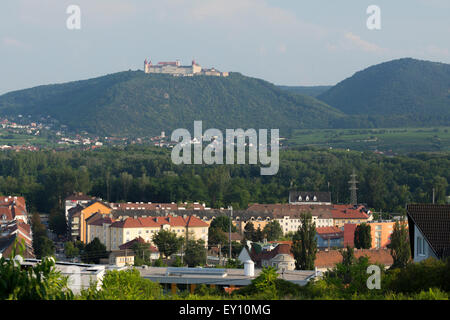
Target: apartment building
(114, 233)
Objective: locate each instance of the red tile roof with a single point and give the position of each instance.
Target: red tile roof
(157, 206)
(348, 212)
(129, 244)
(328, 259)
(281, 248)
(327, 230)
(7, 213)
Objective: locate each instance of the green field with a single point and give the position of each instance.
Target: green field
(14, 139)
(398, 140)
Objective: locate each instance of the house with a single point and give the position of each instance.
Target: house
(78, 198)
(11, 234)
(329, 237)
(288, 215)
(80, 213)
(343, 214)
(380, 232)
(154, 253)
(429, 231)
(121, 258)
(13, 208)
(277, 255)
(326, 260)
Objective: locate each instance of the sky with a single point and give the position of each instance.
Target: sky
(286, 42)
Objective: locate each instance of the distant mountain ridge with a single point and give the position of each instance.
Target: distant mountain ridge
(404, 91)
(398, 93)
(137, 104)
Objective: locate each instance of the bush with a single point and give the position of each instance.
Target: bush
(124, 285)
(40, 282)
(421, 276)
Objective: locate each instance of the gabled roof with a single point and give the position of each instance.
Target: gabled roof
(129, 244)
(281, 248)
(348, 212)
(433, 221)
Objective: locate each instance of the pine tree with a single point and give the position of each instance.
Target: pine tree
(362, 237)
(399, 246)
(304, 245)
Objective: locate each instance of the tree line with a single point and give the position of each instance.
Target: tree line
(146, 174)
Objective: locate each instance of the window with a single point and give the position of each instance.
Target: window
(420, 246)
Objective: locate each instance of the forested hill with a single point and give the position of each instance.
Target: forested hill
(312, 91)
(396, 93)
(135, 104)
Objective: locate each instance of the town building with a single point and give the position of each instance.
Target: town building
(274, 254)
(187, 279)
(176, 69)
(14, 227)
(343, 214)
(75, 199)
(329, 237)
(429, 231)
(310, 197)
(13, 208)
(80, 276)
(113, 233)
(327, 260)
(288, 215)
(79, 214)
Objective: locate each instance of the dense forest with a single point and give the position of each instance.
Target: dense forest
(134, 104)
(399, 92)
(145, 174)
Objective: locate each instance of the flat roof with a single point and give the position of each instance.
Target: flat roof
(234, 277)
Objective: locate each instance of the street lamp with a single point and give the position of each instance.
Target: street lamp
(231, 219)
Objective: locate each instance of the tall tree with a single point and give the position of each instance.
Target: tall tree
(94, 251)
(272, 231)
(168, 242)
(399, 246)
(195, 253)
(223, 222)
(249, 231)
(304, 245)
(362, 237)
(259, 235)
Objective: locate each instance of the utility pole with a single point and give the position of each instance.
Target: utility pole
(433, 195)
(231, 219)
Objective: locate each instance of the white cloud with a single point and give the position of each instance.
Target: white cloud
(10, 42)
(364, 45)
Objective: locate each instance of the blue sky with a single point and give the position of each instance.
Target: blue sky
(288, 42)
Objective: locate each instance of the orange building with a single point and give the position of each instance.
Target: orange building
(78, 220)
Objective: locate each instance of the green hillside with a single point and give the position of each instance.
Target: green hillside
(312, 91)
(396, 93)
(135, 104)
